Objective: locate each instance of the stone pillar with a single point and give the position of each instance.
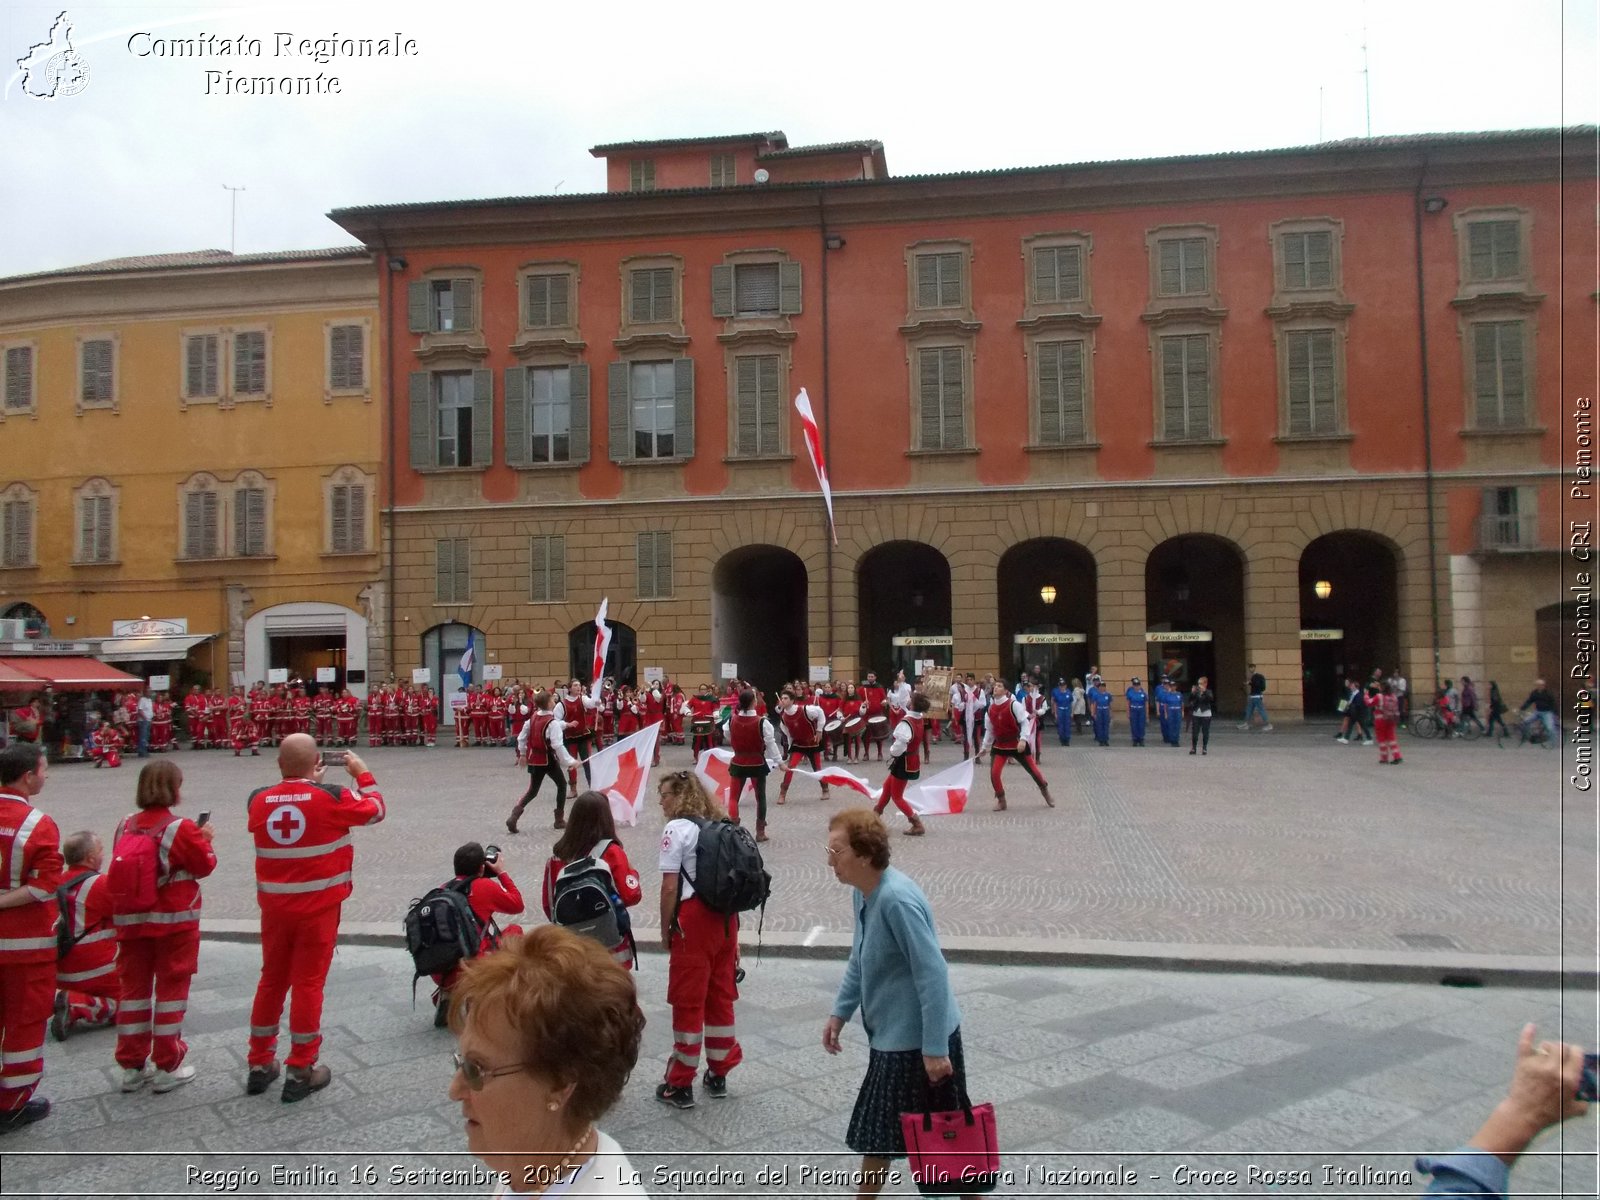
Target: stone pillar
(974, 613)
(1121, 652)
(1466, 606)
(1272, 626)
(373, 601)
(237, 601)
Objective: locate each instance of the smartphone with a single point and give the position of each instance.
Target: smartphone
(333, 758)
(1589, 1084)
(204, 818)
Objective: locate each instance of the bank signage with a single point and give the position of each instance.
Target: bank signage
(1168, 636)
(1322, 635)
(930, 639)
(1050, 639)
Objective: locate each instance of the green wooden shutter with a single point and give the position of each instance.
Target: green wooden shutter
(241, 522)
(1294, 260)
(1194, 266)
(1172, 379)
(683, 408)
(358, 517)
(463, 570)
(339, 519)
(1197, 390)
(1044, 275)
(339, 357)
(1319, 260)
(23, 532)
(1048, 365)
(483, 418)
(419, 307)
(1072, 415)
(86, 528)
(949, 280)
(770, 406)
(1513, 388)
(1324, 408)
(443, 570)
(578, 413)
(1069, 273)
(1507, 249)
(19, 376)
(194, 366)
(538, 579)
(516, 389)
(928, 399)
(464, 303)
(557, 566)
(210, 533)
(747, 401)
(927, 281)
(722, 290)
(639, 302)
(250, 521)
(1297, 348)
(193, 531)
(560, 295)
(790, 291)
(619, 414)
(664, 563)
(538, 301)
(1169, 268)
(96, 371)
(645, 564)
(423, 451)
(953, 398)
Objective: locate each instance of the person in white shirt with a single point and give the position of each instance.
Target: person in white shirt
(147, 714)
(541, 744)
(900, 693)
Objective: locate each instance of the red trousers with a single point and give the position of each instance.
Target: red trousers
(324, 730)
(347, 729)
(27, 994)
(813, 756)
(430, 726)
(296, 953)
(155, 974)
(700, 988)
(894, 792)
(1388, 743)
(997, 763)
(374, 728)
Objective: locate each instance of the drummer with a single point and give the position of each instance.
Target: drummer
(802, 728)
(853, 709)
(828, 698)
(702, 718)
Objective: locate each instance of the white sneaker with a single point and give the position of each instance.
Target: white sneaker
(1368, 742)
(1342, 741)
(1246, 725)
(165, 1081)
(134, 1078)
(1266, 729)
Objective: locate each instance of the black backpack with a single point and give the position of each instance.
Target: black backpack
(66, 904)
(729, 877)
(441, 930)
(584, 899)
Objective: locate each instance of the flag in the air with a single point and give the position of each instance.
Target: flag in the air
(602, 643)
(622, 773)
(808, 423)
(464, 668)
(945, 793)
(839, 777)
(712, 768)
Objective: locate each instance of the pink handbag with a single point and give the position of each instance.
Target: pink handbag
(953, 1152)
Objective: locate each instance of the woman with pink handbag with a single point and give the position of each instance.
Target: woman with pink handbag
(898, 979)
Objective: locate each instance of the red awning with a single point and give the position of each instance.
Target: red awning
(16, 681)
(68, 674)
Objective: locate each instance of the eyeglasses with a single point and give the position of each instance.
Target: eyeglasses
(834, 850)
(477, 1075)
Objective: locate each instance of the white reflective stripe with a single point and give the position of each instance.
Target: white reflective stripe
(167, 1030)
(168, 835)
(20, 843)
(255, 1030)
(156, 918)
(310, 885)
(39, 893)
(21, 1081)
(170, 1006)
(34, 943)
(716, 1054)
(133, 1027)
(13, 1057)
(175, 877)
(301, 851)
(719, 1031)
(688, 1060)
(99, 935)
(80, 976)
(80, 908)
(685, 1039)
(300, 1039)
(135, 1005)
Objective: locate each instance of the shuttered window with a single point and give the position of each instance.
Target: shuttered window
(755, 290)
(18, 529)
(642, 175)
(549, 301)
(1499, 377)
(760, 406)
(1494, 250)
(1183, 267)
(939, 280)
(722, 168)
(347, 358)
(94, 529)
(1311, 378)
(452, 305)
(250, 522)
(652, 393)
(453, 409)
(1186, 387)
(452, 571)
(1307, 260)
(348, 519)
(654, 553)
(95, 369)
(250, 363)
(549, 414)
(19, 377)
(1057, 274)
(654, 297)
(202, 524)
(941, 416)
(1061, 392)
(201, 365)
(547, 579)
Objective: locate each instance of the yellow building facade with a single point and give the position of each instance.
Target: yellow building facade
(190, 466)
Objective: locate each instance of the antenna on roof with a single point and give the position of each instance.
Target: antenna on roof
(233, 215)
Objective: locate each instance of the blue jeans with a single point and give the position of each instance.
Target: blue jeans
(144, 738)
(1548, 719)
(1256, 704)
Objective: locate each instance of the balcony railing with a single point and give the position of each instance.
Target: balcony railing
(1508, 533)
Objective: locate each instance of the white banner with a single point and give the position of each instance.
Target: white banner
(622, 772)
(493, 672)
(421, 675)
(327, 674)
(277, 674)
(943, 794)
(160, 683)
(655, 674)
(819, 674)
(730, 671)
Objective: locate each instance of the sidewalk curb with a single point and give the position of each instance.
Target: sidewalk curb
(1350, 966)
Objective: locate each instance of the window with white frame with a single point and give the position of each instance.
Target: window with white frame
(1494, 250)
(1182, 267)
(547, 570)
(202, 366)
(251, 510)
(939, 279)
(19, 397)
(1058, 274)
(653, 295)
(250, 363)
(453, 405)
(547, 300)
(758, 405)
(722, 170)
(18, 521)
(452, 419)
(653, 393)
(549, 414)
(442, 305)
(1311, 381)
(653, 552)
(1307, 257)
(642, 175)
(96, 503)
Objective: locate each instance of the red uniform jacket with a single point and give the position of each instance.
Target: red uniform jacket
(92, 961)
(30, 856)
(1004, 726)
(622, 874)
(302, 837)
(744, 736)
(490, 895)
(184, 858)
(803, 733)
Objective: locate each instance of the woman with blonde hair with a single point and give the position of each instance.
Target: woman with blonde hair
(158, 946)
(548, 1030)
(702, 948)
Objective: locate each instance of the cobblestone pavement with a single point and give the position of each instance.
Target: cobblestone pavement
(1089, 1070)
(1272, 840)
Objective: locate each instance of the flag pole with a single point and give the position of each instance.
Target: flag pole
(827, 427)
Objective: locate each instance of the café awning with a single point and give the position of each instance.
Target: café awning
(161, 647)
(12, 680)
(73, 674)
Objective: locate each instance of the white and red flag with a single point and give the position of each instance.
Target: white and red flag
(712, 768)
(602, 643)
(945, 793)
(839, 777)
(808, 423)
(622, 773)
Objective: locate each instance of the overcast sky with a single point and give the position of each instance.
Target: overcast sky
(499, 102)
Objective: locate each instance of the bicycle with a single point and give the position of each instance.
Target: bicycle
(1430, 723)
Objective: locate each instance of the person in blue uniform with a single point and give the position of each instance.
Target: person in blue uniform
(1138, 710)
(1100, 706)
(1061, 699)
(1169, 710)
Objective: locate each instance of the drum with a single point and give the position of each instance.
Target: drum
(877, 729)
(854, 726)
(831, 732)
(702, 728)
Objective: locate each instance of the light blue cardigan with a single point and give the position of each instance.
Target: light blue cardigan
(897, 975)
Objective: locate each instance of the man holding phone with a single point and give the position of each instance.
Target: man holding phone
(301, 828)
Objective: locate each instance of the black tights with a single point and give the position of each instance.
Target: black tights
(536, 777)
(1199, 733)
(760, 782)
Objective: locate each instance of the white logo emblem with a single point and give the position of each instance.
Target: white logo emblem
(52, 70)
(287, 825)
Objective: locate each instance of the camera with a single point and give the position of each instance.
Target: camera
(491, 854)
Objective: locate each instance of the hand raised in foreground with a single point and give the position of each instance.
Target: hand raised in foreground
(1543, 1092)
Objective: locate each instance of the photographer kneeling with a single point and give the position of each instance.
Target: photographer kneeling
(489, 889)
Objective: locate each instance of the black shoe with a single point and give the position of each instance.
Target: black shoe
(302, 1081)
(59, 1023)
(716, 1085)
(260, 1078)
(678, 1097)
(441, 1013)
(38, 1109)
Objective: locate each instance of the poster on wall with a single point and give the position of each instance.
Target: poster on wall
(327, 674)
(421, 675)
(730, 670)
(820, 674)
(160, 683)
(654, 675)
(277, 674)
(935, 685)
(493, 672)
